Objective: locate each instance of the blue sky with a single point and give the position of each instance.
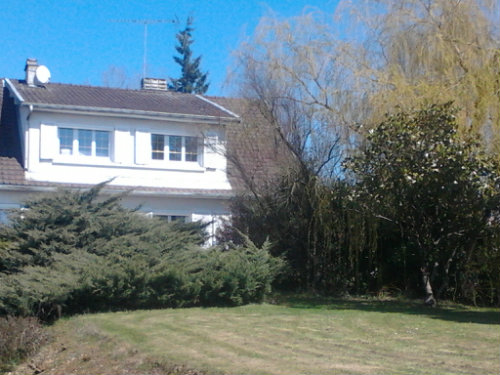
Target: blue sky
(77, 42)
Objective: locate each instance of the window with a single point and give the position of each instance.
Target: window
(174, 148)
(158, 146)
(101, 143)
(191, 148)
(83, 142)
(171, 218)
(178, 148)
(65, 141)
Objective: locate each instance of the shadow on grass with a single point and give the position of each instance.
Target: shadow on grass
(445, 311)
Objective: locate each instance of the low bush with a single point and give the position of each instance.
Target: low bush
(196, 277)
(239, 276)
(19, 338)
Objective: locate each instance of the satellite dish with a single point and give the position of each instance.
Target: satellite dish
(42, 75)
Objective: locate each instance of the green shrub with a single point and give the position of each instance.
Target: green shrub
(19, 338)
(238, 276)
(195, 277)
(71, 253)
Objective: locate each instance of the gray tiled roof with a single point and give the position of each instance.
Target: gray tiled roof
(118, 99)
(255, 152)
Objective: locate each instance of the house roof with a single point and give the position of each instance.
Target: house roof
(12, 174)
(255, 151)
(157, 101)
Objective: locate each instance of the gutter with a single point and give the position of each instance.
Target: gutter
(117, 190)
(130, 113)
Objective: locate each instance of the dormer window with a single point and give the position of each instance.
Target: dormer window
(83, 142)
(174, 147)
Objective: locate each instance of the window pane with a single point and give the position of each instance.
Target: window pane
(101, 143)
(175, 147)
(65, 141)
(191, 148)
(157, 146)
(85, 142)
(180, 219)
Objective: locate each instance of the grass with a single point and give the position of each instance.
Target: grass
(299, 335)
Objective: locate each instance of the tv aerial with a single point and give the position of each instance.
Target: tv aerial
(145, 23)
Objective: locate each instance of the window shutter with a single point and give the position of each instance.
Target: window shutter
(49, 141)
(123, 147)
(142, 147)
(210, 155)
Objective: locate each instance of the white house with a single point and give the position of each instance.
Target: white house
(166, 147)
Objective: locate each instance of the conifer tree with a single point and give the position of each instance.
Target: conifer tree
(192, 79)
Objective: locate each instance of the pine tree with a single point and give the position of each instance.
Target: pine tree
(192, 79)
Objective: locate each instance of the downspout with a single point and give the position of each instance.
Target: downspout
(27, 137)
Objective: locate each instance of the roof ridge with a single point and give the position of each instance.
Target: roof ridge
(23, 82)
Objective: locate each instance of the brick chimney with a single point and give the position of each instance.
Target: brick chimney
(30, 68)
(158, 84)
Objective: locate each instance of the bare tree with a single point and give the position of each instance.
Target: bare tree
(117, 77)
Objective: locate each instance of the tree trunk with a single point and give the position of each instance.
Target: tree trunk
(429, 295)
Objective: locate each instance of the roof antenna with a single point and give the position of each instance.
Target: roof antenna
(144, 22)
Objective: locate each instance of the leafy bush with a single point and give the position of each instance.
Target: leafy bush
(19, 338)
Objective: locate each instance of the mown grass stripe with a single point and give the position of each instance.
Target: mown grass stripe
(271, 339)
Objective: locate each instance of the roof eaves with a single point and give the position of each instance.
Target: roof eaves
(186, 194)
(48, 187)
(124, 111)
(218, 106)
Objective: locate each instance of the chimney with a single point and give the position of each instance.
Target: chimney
(157, 84)
(30, 68)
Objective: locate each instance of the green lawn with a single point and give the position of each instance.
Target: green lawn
(308, 336)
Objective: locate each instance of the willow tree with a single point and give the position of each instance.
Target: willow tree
(292, 70)
(418, 52)
(355, 65)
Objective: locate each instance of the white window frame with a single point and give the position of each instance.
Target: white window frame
(166, 149)
(75, 152)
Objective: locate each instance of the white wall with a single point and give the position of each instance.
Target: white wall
(130, 161)
(212, 211)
